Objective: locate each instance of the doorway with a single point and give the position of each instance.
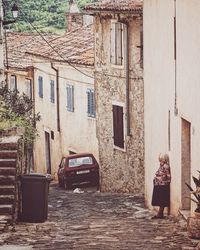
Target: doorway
(47, 152)
(185, 163)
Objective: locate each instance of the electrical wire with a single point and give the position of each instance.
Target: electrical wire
(47, 72)
(39, 33)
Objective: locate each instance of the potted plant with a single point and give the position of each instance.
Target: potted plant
(196, 194)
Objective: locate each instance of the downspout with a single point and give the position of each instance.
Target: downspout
(6, 52)
(175, 63)
(127, 81)
(57, 96)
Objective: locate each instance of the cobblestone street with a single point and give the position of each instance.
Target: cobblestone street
(94, 220)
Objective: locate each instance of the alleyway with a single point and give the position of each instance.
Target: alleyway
(94, 220)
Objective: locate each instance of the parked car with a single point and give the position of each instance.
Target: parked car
(78, 169)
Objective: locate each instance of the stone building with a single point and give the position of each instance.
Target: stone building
(172, 94)
(119, 94)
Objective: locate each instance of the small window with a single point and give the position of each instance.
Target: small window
(70, 98)
(52, 135)
(118, 126)
(40, 86)
(116, 43)
(91, 109)
(13, 83)
(52, 91)
(28, 88)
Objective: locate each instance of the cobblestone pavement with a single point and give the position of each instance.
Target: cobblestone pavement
(94, 220)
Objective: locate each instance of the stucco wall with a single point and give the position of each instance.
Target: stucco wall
(77, 130)
(170, 87)
(121, 170)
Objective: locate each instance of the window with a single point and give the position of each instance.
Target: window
(13, 83)
(52, 91)
(118, 126)
(116, 43)
(28, 88)
(40, 86)
(91, 103)
(70, 98)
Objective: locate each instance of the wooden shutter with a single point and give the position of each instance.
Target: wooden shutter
(70, 98)
(91, 109)
(52, 92)
(118, 126)
(40, 82)
(118, 34)
(88, 103)
(112, 44)
(13, 83)
(28, 88)
(93, 113)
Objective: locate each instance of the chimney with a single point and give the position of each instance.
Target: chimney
(73, 18)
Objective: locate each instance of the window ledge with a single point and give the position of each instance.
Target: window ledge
(120, 149)
(115, 66)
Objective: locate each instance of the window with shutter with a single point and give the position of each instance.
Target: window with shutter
(28, 86)
(52, 92)
(91, 107)
(116, 43)
(70, 98)
(13, 83)
(118, 126)
(40, 87)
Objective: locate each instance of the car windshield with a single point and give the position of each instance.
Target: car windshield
(75, 162)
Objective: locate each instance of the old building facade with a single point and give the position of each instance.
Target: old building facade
(172, 94)
(119, 94)
(64, 96)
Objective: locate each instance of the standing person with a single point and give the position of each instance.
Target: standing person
(161, 189)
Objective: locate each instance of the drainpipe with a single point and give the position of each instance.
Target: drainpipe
(6, 51)
(175, 61)
(57, 96)
(127, 81)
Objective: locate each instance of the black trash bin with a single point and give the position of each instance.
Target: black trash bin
(34, 197)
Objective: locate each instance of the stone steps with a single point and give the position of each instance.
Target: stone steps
(7, 180)
(6, 199)
(8, 163)
(8, 154)
(8, 160)
(8, 146)
(7, 171)
(6, 209)
(7, 190)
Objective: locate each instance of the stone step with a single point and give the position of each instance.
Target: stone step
(8, 146)
(6, 199)
(6, 209)
(7, 171)
(5, 219)
(7, 190)
(8, 154)
(7, 163)
(7, 180)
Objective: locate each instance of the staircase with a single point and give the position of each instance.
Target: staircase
(8, 183)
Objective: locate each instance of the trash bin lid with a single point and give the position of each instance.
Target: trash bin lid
(33, 176)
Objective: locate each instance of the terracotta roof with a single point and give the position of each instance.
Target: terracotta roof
(76, 47)
(133, 6)
(17, 46)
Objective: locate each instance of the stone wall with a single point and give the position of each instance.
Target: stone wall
(121, 170)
